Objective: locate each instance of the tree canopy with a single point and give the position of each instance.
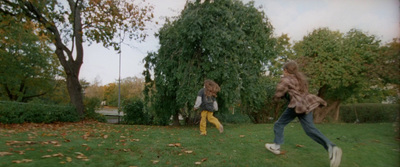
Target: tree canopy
(226, 41)
(74, 22)
(339, 65)
(28, 66)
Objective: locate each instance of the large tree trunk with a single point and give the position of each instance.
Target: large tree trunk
(75, 93)
(331, 111)
(71, 64)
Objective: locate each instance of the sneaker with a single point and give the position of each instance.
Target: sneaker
(221, 129)
(271, 147)
(335, 155)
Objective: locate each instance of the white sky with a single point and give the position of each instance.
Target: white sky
(296, 18)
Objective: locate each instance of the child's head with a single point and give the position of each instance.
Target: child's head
(290, 67)
(211, 88)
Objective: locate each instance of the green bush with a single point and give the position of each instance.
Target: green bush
(134, 113)
(91, 105)
(14, 112)
(369, 113)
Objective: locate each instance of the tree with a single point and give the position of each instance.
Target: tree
(131, 88)
(387, 69)
(74, 22)
(226, 41)
(284, 51)
(28, 66)
(339, 65)
(388, 64)
(94, 90)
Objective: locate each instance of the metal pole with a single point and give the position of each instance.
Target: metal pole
(119, 79)
(119, 88)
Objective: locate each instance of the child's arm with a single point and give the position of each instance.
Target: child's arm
(281, 88)
(197, 103)
(215, 105)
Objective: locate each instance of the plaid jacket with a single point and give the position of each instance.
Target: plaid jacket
(302, 102)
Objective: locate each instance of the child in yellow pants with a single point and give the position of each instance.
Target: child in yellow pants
(208, 104)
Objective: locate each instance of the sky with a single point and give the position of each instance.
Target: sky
(296, 18)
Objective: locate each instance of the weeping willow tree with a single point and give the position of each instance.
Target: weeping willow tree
(227, 41)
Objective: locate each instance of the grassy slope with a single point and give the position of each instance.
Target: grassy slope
(240, 145)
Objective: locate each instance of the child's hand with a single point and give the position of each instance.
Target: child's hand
(276, 99)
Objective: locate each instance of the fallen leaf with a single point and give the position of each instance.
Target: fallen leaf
(22, 161)
(241, 136)
(79, 153)
(155, 161)
(69, 159)
(53, 142)
(204, 159)
(46, 156)
(5, 153)
(20, 152)
(105, 136)
(188, 152)
(298, 145)
(175, 145)
(58, 155)
(197, 163)
(17, 161)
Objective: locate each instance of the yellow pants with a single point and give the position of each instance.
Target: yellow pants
(203, 123)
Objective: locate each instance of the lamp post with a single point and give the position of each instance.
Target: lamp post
(119, 76)
(119, 88)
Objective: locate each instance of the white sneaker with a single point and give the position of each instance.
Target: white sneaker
(335, 155)
(271, 147)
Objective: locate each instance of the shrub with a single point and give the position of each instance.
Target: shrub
(134, 113)
(91, 105)
(15, 112)
(369, 113)
(236, 118)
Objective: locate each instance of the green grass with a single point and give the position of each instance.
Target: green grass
(99, 144)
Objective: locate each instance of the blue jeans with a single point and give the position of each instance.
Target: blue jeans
(307, 123)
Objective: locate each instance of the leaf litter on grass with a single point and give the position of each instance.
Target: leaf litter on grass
(101, 139)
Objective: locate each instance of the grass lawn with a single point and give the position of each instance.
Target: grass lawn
(100, 144)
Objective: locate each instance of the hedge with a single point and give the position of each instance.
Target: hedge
(369, 113)
(15, 112)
